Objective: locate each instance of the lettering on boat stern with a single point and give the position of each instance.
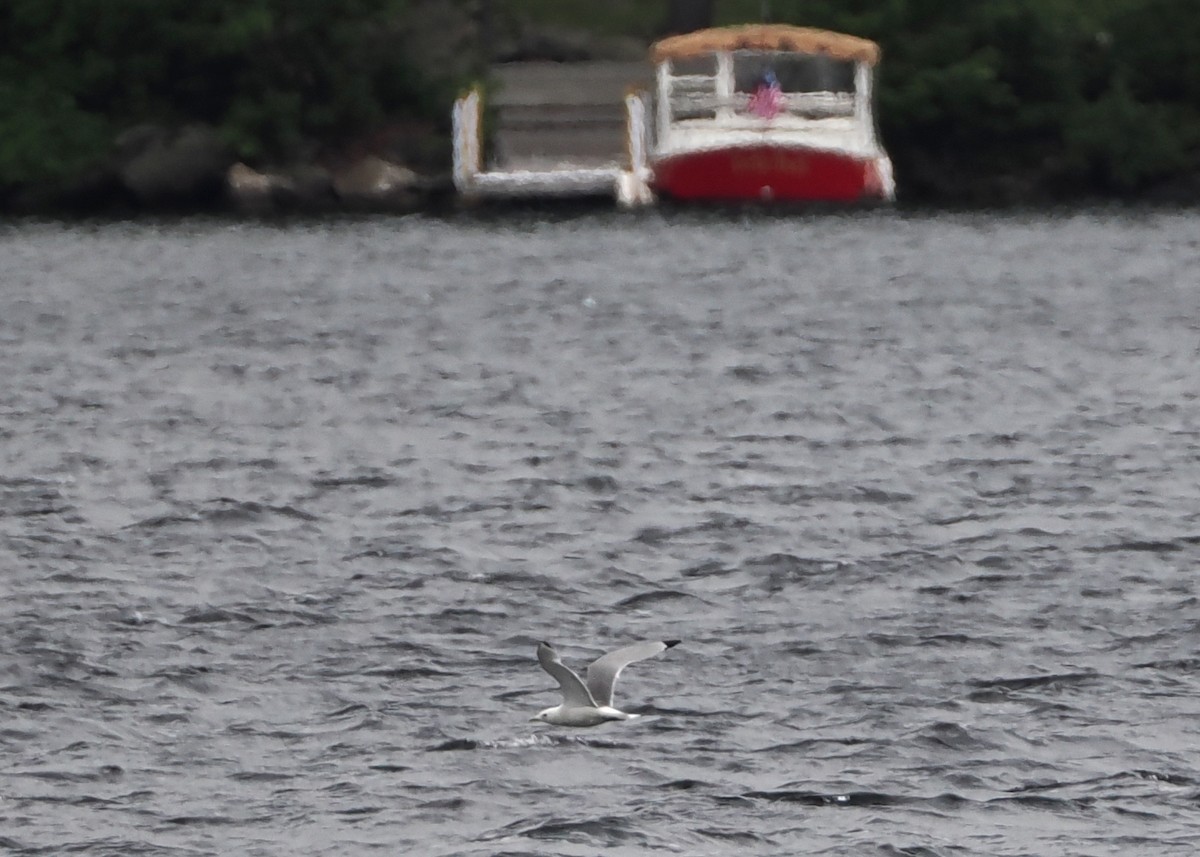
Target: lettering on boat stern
(777, 163)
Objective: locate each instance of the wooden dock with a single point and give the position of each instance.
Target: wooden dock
(559, 130)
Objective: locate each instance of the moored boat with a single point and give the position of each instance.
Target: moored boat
(767, 112)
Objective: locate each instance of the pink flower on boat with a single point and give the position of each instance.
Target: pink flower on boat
(767, 101)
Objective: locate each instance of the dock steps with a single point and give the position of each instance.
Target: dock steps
(558, 130)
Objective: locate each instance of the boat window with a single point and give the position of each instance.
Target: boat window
(796, 73)
(811, 87)
(694, 87)
(704, 64)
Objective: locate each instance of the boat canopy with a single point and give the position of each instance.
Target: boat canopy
(766, 37)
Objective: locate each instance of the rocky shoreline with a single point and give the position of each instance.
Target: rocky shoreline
(155, 171)
(401, 167)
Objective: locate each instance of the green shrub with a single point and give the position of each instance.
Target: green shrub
(271, 75)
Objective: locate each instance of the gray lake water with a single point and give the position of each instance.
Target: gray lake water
(286, 508)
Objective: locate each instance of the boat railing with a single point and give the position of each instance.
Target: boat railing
(804, 105)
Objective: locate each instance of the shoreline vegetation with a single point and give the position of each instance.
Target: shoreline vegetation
(123, 106)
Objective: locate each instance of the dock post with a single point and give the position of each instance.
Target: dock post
(468, 161)
(633, 187)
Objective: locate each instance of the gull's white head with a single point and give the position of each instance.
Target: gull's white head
(544, 715)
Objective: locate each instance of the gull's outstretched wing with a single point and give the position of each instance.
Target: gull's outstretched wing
(603, 672)
(575, 693)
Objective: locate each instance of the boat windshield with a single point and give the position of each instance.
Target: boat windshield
(760, 85)
(806, 86)
(794, 72)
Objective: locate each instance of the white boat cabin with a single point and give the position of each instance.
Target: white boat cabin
(789, 82)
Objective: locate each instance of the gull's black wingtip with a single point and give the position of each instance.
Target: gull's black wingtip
(670, 644)
(547, 645)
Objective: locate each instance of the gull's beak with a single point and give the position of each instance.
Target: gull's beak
(533, 720)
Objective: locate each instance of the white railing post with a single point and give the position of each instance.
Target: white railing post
(664, 104)
(467, 158)
(862, 92)
(633, 186)
(724, 87)
(635, 131)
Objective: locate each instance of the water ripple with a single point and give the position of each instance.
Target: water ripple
(286, 508)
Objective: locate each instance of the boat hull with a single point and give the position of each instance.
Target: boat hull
(770, 173)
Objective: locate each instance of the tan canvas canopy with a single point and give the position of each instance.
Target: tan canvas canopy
(766, 37)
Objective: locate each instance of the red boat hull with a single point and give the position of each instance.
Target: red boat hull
(768, 173)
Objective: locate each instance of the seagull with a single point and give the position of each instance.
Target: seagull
(590, 704)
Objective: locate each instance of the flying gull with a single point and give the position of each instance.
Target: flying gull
(592, 703)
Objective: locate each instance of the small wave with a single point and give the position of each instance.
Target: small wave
(229, 510)
(791, 565)
(951, 736)
(723, 522)
(957, 640)
(809, 743)
(27, 497)
(711, 568)
(1172, 665)
(358, 810)
(643, 599)
(366, 480)
(353, 708)
(600, 484)
(846, 799)
(454, 803)
(908, 851)
(401, 672)
(688, 713)
(162, 521)
(684, 785)
(739, 837)
(222, 511)
(1047, 802)
(194, 678)
(602, 831)
(104, 773)
(656, 535)
(1181, 780)
(1170, 779)
(751, 372)
(548, 739)
(456, 744)
(215, 615)
(1147, 545)
(202, 820)
(881, 496)
(1054, 680)
(260, 776)
(387, 550)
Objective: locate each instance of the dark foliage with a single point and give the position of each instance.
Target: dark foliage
(273, 76)
(978, 102)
